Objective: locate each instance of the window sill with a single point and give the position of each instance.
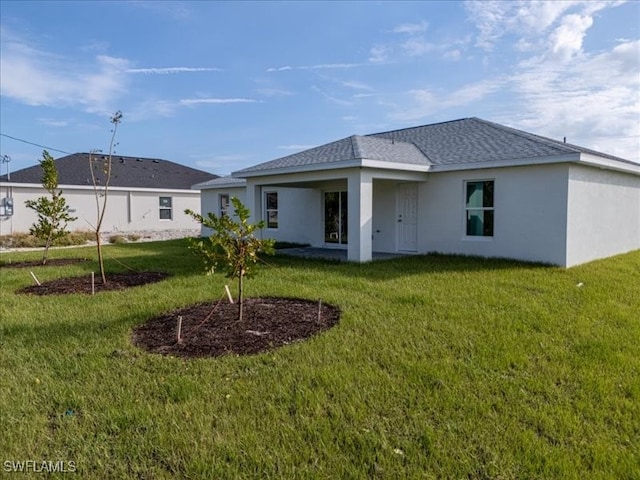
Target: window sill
(470, 238)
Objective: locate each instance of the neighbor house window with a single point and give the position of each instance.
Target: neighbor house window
(224, 204)
(165, 208)
(271, 209)
(479, 208)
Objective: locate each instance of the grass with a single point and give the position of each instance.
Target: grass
(441, 367)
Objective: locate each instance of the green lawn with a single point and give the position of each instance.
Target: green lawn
(440, 367)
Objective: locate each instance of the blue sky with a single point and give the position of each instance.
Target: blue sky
(223, 85)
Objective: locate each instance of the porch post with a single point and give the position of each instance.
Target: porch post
(360, 213)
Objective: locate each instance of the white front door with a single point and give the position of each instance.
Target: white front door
(407, 217)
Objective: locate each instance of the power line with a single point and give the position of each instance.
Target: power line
(36, 144)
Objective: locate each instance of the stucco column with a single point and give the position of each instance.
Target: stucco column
(253, 201)
(360, 214)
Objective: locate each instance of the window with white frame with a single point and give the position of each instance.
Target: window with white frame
(271, 209)
(166, 208)
(479, 209)
(223, 200)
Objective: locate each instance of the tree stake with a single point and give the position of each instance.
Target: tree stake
(226, 287)
(34, 277)
(179, 332)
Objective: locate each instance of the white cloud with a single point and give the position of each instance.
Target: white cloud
(561, 89)
(49, 122)
(171, 70)
(356, 85)
(215, 101)
(410, 41)
(38, 78)
(427, 101)
(411, 28)
(415, 47)
(321, 66)
(274, 92)
(379, 54)
(279, 69)
(566, 40)
(331, 98)
(593, 100)
(453, 55)
(496, 18)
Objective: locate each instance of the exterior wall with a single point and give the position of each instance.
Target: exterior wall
(127, 210)
(529, 217)
(296, 208)
(604, 214)
(210, 201)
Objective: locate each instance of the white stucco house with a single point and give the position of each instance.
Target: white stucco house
(145, 195)
(467, 186)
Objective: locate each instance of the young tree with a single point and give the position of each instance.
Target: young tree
(100, 166)
(232, 246)
(53, 211)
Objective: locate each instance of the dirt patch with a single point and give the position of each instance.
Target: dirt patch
(53, 262)
(115, 281)
(212, 329)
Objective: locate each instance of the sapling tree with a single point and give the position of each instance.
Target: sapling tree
(233, 245)
(53, 211)
(100, 166)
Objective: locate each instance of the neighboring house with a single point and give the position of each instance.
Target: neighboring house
(467, 187)
(144, 194)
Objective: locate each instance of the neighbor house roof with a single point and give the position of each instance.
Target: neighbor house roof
(226, 181)
(126, 172)
(466, 142)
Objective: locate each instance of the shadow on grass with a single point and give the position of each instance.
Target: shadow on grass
(386, 269)
(89, 331)
(170, 256)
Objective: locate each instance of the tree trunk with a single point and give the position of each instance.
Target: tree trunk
(240, 296)
(47, 244)
(46, 251)
(101, 259)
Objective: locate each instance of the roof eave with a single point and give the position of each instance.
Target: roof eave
(383, 165)
(512, 162)
(360, 162)
(609, 164)
(64, 187)
(297, 169)
(207, 186)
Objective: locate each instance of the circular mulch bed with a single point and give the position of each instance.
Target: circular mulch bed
(53, 262)
(115, 281)
(213, 329)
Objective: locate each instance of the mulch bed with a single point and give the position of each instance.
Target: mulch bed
(53, 262)
(209, 329)
(115, 281)
(212, 329)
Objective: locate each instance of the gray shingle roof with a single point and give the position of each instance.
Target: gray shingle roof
(458, 142)
(227, 181)
(127, 172)
(472, 140)
(349, 149)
